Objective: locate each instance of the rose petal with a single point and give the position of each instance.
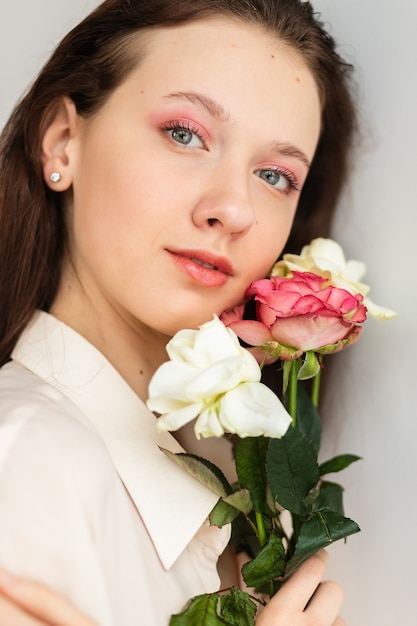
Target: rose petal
(177, 419)
(252, 410)
(171, 380)
(208, 423)
(252, 332)
(222, 376)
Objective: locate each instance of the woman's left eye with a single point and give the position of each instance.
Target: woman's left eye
(278, 179)
(182, 134)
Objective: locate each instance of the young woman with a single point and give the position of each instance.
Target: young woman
(158, 165)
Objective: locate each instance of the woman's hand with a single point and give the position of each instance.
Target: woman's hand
(29, 603)
(304, 600)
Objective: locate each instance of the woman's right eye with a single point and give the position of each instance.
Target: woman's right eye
(185, 135)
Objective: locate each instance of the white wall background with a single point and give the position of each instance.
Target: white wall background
(373, 412)
(369, 406)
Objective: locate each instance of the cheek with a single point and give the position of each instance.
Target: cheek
(271, 236)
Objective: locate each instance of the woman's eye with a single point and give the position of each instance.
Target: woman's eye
(185, 136)
(277, 179)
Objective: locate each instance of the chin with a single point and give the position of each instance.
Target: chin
(189, 321)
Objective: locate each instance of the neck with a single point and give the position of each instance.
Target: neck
(133, 349)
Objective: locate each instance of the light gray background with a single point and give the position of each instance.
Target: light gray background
(370, 404)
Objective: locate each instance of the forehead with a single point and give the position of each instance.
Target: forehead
(248, 71)
(201, 43)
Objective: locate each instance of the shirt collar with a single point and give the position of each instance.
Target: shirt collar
(172, 504)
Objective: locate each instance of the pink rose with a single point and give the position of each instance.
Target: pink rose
(297, 314)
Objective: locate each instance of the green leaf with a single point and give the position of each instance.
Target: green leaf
(267, 565)
(233, 609)
(250, 465)
(338, 463)
(241, 500)
(222, 514)
(200, 611)
(308, 419)
(310, 366)
(202, 470)
(292, 470)
(330, 496)
(318, 531)
(237, 608)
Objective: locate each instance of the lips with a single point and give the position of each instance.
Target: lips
(203, 267)
(203, 264)
(206, 259)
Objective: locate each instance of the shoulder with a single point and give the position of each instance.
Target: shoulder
(26, 398)
(40, 426)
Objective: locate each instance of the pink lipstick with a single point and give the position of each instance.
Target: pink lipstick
(203, 267)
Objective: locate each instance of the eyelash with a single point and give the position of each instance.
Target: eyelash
(292, 180)
(187, 125)
(184, 125)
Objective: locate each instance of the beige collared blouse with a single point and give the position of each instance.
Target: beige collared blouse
(88, 502)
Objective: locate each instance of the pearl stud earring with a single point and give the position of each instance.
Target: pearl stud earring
(55, 177)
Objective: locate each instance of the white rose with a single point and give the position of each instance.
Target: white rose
(212, 378)
(326, 258)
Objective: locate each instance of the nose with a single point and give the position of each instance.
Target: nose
(225, 204)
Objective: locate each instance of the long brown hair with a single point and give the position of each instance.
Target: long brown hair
(91, 61)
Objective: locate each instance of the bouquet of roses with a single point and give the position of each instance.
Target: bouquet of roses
(311, 305)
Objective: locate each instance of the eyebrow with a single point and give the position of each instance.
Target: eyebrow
(212, 107)
(217, 111)
(288, 149)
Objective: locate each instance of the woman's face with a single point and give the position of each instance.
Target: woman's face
(186, 183)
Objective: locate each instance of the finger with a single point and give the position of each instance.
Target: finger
(297, 590)
(339, 621)
(326, 604)
(41, 602)
(12, 615)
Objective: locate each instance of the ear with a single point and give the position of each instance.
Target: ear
(62, 128)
